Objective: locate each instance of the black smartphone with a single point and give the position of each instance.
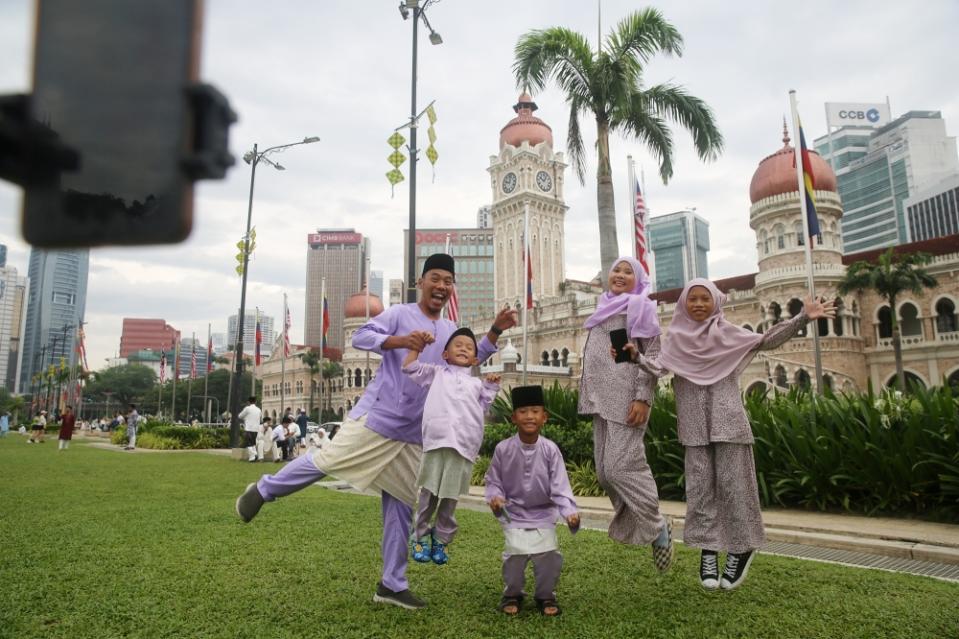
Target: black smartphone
(618, 338)
(110, 80)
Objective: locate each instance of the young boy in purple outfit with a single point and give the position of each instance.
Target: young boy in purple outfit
(379, 445)
(452, 435)
(528, 489)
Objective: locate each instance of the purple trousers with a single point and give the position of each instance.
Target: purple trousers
(445, 527)
(302, 472)
(546, 569)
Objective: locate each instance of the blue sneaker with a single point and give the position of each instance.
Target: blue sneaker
(420, 549)
(438, 552)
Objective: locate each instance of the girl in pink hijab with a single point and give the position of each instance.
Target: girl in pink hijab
(706, 355)
(618, 397)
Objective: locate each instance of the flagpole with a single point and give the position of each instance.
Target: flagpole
(256, 320)
(630, 207)
(283, 358)
(367, 280)
(189, 385)
(808, 243)
(206, 377)
(160, 391)
(323, 338)
(176, 373)
(527, 260)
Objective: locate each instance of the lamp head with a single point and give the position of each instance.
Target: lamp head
(404, 11)
(248, 157)
(435, 38)
(279, 167)
(311, 139)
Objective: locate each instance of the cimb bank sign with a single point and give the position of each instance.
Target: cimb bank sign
(839, 114)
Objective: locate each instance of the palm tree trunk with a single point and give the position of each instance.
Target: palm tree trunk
(605, 202)
(897, 346)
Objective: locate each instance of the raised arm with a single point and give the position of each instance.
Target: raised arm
(784, 331)
(489, 390)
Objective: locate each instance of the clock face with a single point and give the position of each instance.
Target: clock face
(544, 181)
(509, 182)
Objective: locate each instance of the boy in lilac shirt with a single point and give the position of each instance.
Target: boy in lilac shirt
(528, 489)
(452, 434)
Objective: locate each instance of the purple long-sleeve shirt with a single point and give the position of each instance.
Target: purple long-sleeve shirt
(532, 479)
(392, 403)
(455, 404)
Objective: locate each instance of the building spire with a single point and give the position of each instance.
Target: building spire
(785, 133)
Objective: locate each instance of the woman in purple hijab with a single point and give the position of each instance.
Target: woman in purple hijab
(618, 397)
(706, 354)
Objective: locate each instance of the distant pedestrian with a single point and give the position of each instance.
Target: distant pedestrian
(133, 422)
(264, 441)
(251, 417)
(302, 421)
(4, 424)
(39, 428)
(280, 439)
(68, 421)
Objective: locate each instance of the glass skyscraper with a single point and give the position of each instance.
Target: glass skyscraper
(57, 302)
(680, 245)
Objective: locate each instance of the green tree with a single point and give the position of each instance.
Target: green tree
(312, 360)
(608, 84)
(126, 384)
(890, 276)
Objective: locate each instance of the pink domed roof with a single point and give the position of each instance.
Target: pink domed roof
(777, 173)
(525, 126)
(356, 305)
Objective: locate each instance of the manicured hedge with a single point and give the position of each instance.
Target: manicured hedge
(163, 436)
(866, 453)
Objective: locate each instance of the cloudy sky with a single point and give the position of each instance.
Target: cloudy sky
(340, 70)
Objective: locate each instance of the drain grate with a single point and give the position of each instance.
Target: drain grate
(947, 572)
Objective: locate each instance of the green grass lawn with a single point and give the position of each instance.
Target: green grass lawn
(104, 544)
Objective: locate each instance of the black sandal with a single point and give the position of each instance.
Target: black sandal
(543, 604)
(510, 601)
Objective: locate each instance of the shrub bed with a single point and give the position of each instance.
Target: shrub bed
(163, 436)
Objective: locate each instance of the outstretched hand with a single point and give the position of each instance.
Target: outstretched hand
(506, 319)
(819, 308)
(630, 348)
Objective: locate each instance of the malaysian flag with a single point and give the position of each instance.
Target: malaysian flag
(209, 354)
(176, 361)
(639, 224)
(326, 318)
(193, 361)
(82, 349)
(162, 366)
(453, 308)
(258, 339)
(286, 330)
(809, 186)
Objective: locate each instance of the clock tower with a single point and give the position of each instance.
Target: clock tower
(527, 175)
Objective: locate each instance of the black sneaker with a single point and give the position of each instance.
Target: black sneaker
(403, 598)
(737, 565)
(709, 569)
(249, 503)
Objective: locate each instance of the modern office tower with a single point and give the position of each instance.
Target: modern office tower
(13, 307)
(249, 332)
(484, 217)
(142, 334)
(396, 292)
(186, 355)
(3, 255)
(220, 343)
(680, 245)
(56, 304)
(473, 251)
(878, 169)
(339, 257)
(933, 212)
(376, 283)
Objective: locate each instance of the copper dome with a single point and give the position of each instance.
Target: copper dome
(525, 126)
(356, 305)
(777, 174)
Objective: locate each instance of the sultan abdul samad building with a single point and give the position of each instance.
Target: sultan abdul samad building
(527, 173)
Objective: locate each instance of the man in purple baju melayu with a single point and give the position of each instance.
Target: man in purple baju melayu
(379, 446)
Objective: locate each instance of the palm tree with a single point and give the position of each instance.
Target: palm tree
(608, 84)
(312, 360)
(889, 277)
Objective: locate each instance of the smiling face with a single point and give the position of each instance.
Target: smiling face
(622, 279)
(436, 286)
(699, 303)
(460, 352)
(529, 421)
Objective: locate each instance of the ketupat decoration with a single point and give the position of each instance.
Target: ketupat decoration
(431, 153)
(395, 158)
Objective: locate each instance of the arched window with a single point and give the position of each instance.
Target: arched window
(779, 232)
(781, 380)
(802, 379)
(953, 380)
(357, 378)
(349, 380)
(776, 312)
(827, 381)
(910, 324)
(946, 316)
(800, 235)
(544, 358)
(756, 388)
(885, 322)
(763, 242)
(369, 376)
(911, 380)
(555, 357)
(855, 318)
(748, 327)
(840, 316)
(794, 306)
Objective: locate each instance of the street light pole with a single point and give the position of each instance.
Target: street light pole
(252, 158)
(418, 12)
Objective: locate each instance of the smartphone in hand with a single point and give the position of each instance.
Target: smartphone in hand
(618, 338)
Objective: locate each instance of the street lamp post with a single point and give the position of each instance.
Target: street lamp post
(418, 12)
(252, 158)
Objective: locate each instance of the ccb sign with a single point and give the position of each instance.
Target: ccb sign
(855, 114)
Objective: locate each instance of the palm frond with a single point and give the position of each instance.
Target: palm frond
(652, 131)
(641, 35)
(553, 53)
(574, 143)
(690, 112)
